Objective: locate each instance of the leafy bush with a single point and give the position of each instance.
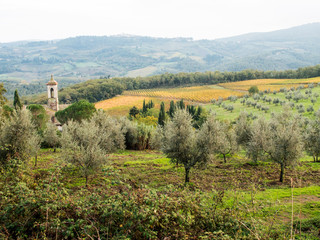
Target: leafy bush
(48, 210)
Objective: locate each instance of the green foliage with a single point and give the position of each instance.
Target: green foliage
(172, 109)
(39, 116)
(7, 111)
(311, 137)
(218, 137)
(182, 144)
(78, 111)
(253, 90)
(162, 115)
(137, 134)
(134, 111)
(51, 137)
(85, 146)
(180, 104)
(92, 91)
(16, 101)
(284, 142)
(18, 137)
(3, 100)
(49, 210)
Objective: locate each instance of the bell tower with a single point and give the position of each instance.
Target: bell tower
(52, 90)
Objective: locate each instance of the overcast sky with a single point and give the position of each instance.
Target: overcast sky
(199, 19)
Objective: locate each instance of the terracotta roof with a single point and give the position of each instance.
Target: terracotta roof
(52, 81)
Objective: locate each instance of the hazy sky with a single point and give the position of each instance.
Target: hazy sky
(199, 19)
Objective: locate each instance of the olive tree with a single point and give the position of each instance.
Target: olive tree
(51, 137)
(18, 137)
(257, 141)
(243, 129)
(284, 142)
(111, 130)
(183, 144)
(85, 144)
(311, 137)
(226, 140)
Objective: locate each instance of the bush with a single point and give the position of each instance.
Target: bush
(252, 90)
(50, 211)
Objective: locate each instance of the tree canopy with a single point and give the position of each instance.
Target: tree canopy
(77, 112)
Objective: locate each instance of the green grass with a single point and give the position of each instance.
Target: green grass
(252, 188)
(239, 107)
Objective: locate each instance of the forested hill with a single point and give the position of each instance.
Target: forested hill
(81, 58)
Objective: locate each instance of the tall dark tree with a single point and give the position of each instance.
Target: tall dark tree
(16, 100)
(172, 109)
(144, 107)
(180, 104)
(162, 114)
(192, 110)
(133, 111)
(198, 113)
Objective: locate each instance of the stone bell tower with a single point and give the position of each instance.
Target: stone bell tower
(52, 89)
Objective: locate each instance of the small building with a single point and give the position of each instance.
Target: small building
(52, 89)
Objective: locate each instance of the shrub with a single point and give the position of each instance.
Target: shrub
(252, 90)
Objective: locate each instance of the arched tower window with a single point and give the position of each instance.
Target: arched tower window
(51, 93)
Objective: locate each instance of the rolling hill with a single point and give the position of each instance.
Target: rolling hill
(81, 58)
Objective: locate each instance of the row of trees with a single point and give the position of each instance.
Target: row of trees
(87, 138)
(278, 140)
(170, 79)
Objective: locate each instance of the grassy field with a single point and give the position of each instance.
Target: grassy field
(223, 113)
(253, 189)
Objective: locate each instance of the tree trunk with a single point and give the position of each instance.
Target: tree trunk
(187, 179)
(224, 158)
(36, 160)
(86, 181)
(281, 172)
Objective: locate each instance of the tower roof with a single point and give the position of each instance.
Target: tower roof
(52, 81)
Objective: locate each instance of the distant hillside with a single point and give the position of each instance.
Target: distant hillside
(77, 59)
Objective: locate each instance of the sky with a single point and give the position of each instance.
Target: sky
(197, 19)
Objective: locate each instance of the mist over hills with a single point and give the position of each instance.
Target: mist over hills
(81, 58)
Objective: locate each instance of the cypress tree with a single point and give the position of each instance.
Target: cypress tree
(162, 114)
(144, 107)
(192, 110)
(151, 104)
(172, 109)
(198, 113)
(181, 105)
(16, 100)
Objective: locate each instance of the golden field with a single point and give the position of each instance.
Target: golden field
(265, 84)
(202, 94)
(120, 105)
